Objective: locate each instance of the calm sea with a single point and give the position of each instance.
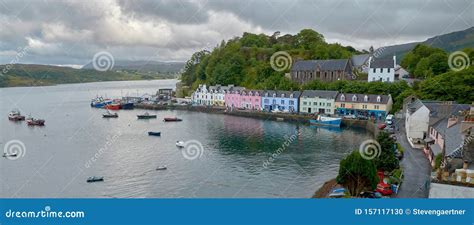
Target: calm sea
(240, 157)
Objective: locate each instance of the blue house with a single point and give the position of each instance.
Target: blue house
(285, 101)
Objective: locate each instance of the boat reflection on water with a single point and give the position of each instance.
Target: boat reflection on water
(326, 128)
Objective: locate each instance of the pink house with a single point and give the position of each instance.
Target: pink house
(232, 97)
(251, 99)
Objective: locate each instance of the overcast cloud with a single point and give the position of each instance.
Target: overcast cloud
(71, 32)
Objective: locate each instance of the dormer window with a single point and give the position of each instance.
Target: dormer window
(378, 98)
(291, 96)
(282, 95)
(274, 95)
(266, 94)
(366, 98)
(354, 98)
(343, 98)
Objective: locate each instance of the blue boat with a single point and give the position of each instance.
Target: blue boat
(99, 102)
(151, 133)
(128, 105)
(326, 121)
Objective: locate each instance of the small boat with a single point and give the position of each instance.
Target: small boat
(151, 133)
(15, 115)
(5, 155)
(128, 105)
(161, 168)
(180, 144)
(326, 121)
(35, 122)
(94, 179)
(146, 116)
(110, 115)
(99, 102)
(172, 119)
(113, 106)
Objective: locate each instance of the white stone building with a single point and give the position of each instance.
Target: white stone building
(382, 69)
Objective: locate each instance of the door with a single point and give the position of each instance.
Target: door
(309, 110)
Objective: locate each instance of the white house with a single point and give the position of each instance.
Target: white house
(382, 69)
(201, 96)
(417, 119)
(315, 101)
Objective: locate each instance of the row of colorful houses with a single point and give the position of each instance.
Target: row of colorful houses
(304, 102)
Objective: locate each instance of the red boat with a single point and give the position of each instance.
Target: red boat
(172, 119)
(35, 122)
(15, 115)
(113, 106)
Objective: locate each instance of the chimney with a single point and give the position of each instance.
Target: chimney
(465, 164)
(452, 121)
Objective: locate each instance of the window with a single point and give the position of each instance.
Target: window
(376, 106)
(266, 101)
(291, 102)
(315, 103)
(378, 98)
(328, 104)
(366, 98)
(381, 70)
(364, 106)
(374, 70)
(274, 101)
(343, 105)
(328, 110)
(388, 70)
(343, 98)
(354, 98)
(282, 102)
(304, 103)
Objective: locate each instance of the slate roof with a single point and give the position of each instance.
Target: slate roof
(254, 91)
(452, 136)
(319, 93)
(296, 94)
(329, 64)
(359, 60)
(360, 98)
(382, 63)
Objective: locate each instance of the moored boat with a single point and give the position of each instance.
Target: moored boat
(128, 105)
(152, 133)
(172, 119)
(326, 121)
(35, 122)
(161, 168)
(99, 102)
(110, 115)
(180, 144)
(15, 115)
(113, 106)
(94, 179)
(146, 116)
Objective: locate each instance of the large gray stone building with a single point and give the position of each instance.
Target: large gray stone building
(305, 71)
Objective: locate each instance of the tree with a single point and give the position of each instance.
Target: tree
(387, 160)
(357, 174)
(306, 37)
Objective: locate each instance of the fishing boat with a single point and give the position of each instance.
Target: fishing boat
(108, 114)
(99, 102)
(172, 119)
(180, 144)
(326, 121)
(146, 116)
(15, 115)
(161, 168)
(112, 106)
(5, 155)
(94, 179)
(34, 122)
(127, 105)
(151, 133)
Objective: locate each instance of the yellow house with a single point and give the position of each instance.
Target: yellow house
(376, 106)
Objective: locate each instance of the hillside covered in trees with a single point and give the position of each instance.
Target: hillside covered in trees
(245, 61)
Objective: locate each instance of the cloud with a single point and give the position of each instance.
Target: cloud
(71, 32)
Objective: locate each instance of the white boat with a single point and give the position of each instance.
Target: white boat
(326, 121)
(180, 144)
(161, 168)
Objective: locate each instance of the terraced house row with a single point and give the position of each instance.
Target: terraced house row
(303, 102)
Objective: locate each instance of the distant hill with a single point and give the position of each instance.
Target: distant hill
(40, 75)
(168, 69)
(449, 42)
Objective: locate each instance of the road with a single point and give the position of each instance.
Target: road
(416, 167)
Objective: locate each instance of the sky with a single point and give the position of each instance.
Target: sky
(71, 32)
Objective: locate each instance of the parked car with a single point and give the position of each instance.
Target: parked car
(384, 189)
